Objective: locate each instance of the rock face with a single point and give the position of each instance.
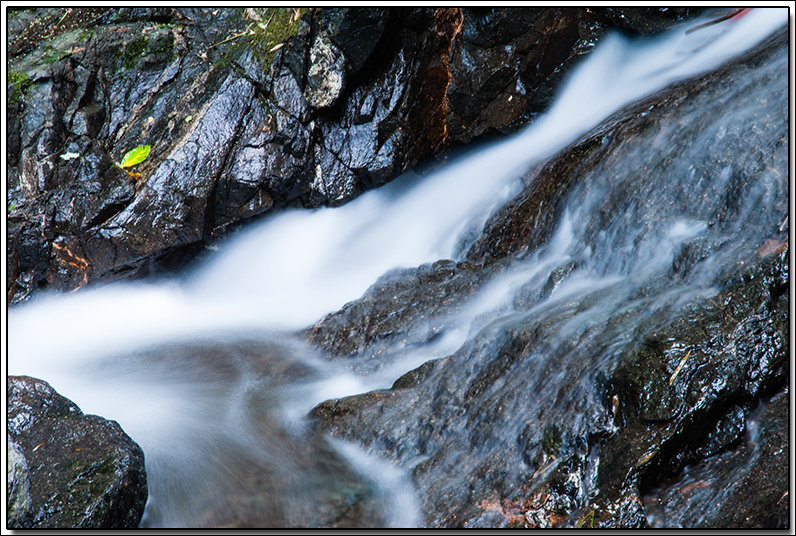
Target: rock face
(749, 473)
(241, 126)
(651, 400)
(397, 308)
(639, 380)
(66, 469)
(506, 62)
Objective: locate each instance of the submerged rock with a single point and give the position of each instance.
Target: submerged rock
(741, 486)
(638, 362)
(67, 469)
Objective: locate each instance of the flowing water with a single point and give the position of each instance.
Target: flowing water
(206, 374)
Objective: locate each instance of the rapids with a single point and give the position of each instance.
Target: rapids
(206, 373)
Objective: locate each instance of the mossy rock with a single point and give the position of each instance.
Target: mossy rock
(72, 470)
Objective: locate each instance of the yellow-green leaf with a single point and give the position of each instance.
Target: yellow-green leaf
(135, 156)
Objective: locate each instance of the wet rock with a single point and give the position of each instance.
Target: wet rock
(680, 412)
(325, 75)
(238, 129)
(417, 376)
(741, 487)
(506, 62)
(20, 503)
(568, 408)
(530, 294)
(66, 469)
(645, 20)
(241, 127)
(356, 32)
(404, 306)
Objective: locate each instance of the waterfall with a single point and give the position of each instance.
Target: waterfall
(179, 363)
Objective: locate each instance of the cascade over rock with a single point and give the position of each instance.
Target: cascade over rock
(659, 403)
(584, 324)
(240, 128)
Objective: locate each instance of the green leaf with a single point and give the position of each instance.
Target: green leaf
(135, 156)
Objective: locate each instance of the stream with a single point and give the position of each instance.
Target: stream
(209, 374)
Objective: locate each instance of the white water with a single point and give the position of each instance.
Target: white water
(292, 269)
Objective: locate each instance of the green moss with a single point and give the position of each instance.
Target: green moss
(282, 25)
(162, 46)
(133, 51)
(277, 26)
(50, 55)
(551, 440)
(19, 86)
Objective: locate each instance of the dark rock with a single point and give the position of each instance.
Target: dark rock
(238, 129)
(412, 306)
(356, 32)
(66, 469)
(569, 413)
(417, 376)
(743, 487)
(732, 357)
(645, 20)
(507, 62)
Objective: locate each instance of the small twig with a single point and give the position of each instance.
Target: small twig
(230, 38)
(68, 11)
(680, 366)
(647, 457)
(584, 518)
(269, 20)
(729, 15)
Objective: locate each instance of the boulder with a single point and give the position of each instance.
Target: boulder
(67, 469)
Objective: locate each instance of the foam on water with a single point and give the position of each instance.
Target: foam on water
(297, 266)
(401, 504)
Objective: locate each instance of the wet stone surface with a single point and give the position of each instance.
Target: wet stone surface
(707, 493)
(239, 128)
(401, 306)
(69, 470)
(574, 408)
(621, 390)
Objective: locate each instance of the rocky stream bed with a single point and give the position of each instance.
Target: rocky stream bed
(610, 348)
